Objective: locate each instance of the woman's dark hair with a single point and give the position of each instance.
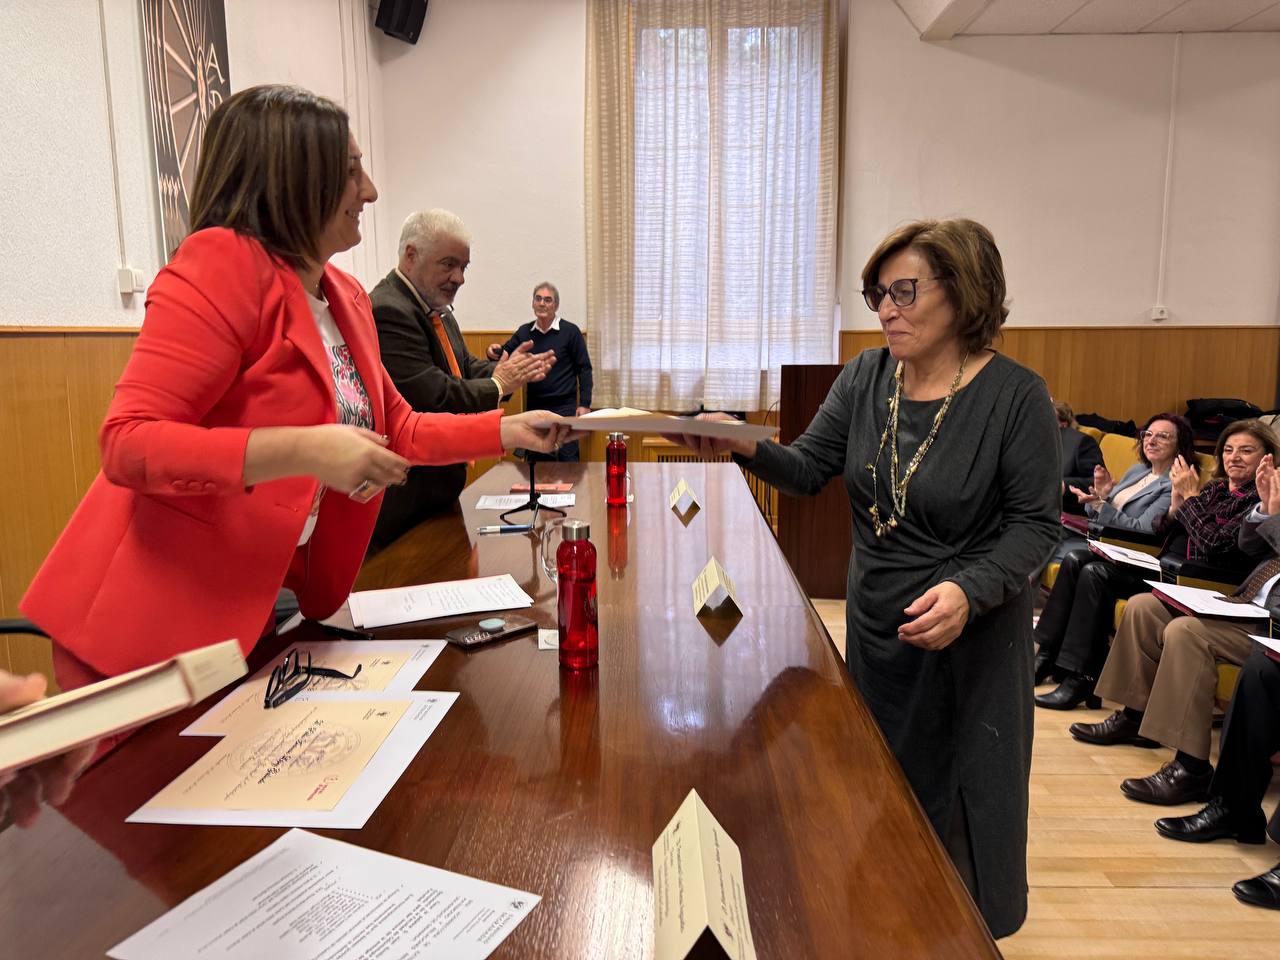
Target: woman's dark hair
(1254, 428)
(1186, 437)
(963, 255)
(273, 165)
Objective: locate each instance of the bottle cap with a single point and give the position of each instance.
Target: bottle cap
(577, 530)
(616, 436)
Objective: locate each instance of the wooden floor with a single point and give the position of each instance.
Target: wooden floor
(1104, 884)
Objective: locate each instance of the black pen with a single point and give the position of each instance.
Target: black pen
(347, 634)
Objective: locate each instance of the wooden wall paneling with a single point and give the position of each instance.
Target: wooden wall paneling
(38, 488)
(94, 365)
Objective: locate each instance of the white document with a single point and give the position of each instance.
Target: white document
(379, 608)
(353, 811)
(1269, 642)
(1207, 603)
(509, 501)
(548, 639)
(1133, 558)
(307, 897)
(642, 421)
(247, 697)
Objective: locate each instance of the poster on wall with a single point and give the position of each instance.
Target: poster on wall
(187, 78)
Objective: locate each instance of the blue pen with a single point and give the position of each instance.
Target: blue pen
(506, 528)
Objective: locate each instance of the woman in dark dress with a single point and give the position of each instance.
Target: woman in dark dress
(950, 455)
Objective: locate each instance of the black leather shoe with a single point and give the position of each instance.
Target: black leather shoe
(1044, 667)
(1260, 891)
(1117, 728)
(1070, 693)
(1214, 822)
(1171, 784)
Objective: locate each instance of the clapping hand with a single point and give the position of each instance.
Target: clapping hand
(1268, 481)
(938, 615)
(1185, 480)
(48, 781)
(1102, 486)
(523, 366)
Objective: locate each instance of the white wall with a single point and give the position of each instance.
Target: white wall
(484, 116)
(59, 251)
(1058, 144)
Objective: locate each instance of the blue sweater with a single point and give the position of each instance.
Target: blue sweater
(568, 382)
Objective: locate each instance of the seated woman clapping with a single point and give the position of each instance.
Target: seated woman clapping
(1074, 629)
(1139, 500)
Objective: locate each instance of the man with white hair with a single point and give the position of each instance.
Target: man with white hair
(423, 351)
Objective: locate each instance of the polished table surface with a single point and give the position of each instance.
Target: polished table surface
(559, 783)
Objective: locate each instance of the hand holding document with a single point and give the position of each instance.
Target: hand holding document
(630, 420)
(1206, 603)
(379, 608)
(307, 896)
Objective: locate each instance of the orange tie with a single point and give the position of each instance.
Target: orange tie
(438, 325)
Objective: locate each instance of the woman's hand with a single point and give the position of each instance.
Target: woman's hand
(49, 781)
(1185, 481)
(1268, 481)
(352, 460)
(1087, 497)
(1103, 484)
(539, 430)
(938, 615)
(710, 448)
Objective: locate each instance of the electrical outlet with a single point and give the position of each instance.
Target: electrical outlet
(129, 281)
(1159, 313)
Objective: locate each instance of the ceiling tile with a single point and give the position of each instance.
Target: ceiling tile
(1208, 15)
(1117, 16)
(1019, 16)
(1268, 19)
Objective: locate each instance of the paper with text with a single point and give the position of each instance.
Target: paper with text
(427, 601)
(503, 501)
(1118, 554)
(425, 710)
(389, 666)
(1207, 603)
(312, 897)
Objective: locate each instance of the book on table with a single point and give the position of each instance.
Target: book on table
(65, 721)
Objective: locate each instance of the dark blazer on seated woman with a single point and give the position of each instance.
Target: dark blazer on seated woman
(1080, 454)
(169, 550)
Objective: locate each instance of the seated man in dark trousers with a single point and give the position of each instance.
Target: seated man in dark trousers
(1250, 737)
(566, 389)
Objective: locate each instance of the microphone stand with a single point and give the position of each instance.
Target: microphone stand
(533, 505)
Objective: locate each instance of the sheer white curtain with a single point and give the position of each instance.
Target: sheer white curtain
(711, 196)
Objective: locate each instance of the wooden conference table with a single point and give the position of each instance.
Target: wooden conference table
(559, 783)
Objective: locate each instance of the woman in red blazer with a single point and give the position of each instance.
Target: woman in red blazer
(254, 429)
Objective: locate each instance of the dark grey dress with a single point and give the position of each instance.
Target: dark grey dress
(982, 511)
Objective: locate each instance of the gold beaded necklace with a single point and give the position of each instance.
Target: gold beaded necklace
(898, 489)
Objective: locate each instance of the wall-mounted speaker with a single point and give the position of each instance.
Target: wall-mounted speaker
(401, 19)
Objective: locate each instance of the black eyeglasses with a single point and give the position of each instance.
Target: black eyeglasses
(902, 292)
(290, 677)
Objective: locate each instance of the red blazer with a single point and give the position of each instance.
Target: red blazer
(169, 550)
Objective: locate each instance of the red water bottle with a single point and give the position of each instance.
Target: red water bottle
(615, 470)
(576, 577)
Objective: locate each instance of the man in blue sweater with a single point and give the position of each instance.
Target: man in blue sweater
(566, 389)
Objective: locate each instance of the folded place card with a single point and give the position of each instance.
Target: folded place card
(700, 904)
(684, 501)
(713, 591)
